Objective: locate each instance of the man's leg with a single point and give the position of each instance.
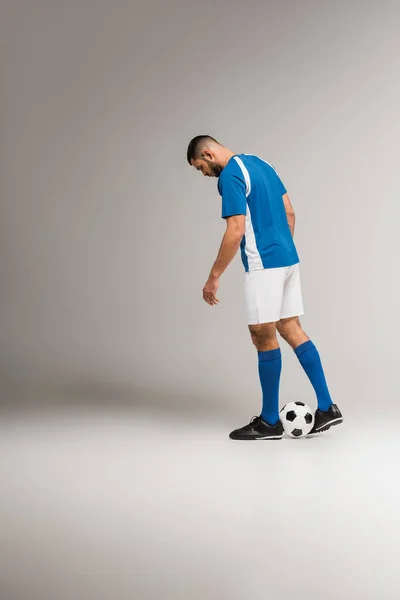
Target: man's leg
(269, 368)
(267, 426)
(263, 295)
(308, 355)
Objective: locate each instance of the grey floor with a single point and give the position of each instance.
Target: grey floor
(117, 502)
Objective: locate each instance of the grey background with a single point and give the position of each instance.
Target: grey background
(107, 236)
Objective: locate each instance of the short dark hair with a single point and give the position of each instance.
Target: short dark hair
(196, 146)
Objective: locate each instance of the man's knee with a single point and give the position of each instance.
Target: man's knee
(291, 331)
(263, 335)
(287, 326)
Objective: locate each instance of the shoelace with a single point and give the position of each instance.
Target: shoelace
(254, 419)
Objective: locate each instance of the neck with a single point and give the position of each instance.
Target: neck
(226, 157)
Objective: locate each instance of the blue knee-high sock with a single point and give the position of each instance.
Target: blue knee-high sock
(269, 369)
(310, 360)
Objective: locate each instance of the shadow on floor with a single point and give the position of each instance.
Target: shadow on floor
(105, 395)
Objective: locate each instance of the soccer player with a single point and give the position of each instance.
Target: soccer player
(260, 220)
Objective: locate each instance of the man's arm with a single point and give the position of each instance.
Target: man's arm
(291, 217)
(230, 245)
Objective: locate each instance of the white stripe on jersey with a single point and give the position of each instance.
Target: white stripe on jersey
(252, 253)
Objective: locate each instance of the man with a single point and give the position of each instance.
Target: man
(260, 220)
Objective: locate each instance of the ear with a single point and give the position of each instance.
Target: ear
(208, 154)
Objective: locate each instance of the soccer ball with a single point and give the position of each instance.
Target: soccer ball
(297, 419)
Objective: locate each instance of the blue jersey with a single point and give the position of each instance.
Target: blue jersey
(250, 186)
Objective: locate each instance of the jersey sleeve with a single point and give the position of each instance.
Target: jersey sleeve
(233, 192)
(281, 186)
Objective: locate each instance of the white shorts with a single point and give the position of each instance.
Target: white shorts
(273, 294)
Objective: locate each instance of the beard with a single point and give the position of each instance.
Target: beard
(215, 169)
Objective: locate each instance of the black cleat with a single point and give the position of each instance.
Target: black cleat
(327, 419)
(258, 429)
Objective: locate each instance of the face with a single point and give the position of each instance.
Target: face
(207, 165)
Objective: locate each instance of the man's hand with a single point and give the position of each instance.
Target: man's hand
(210, 289)
(229, 246)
